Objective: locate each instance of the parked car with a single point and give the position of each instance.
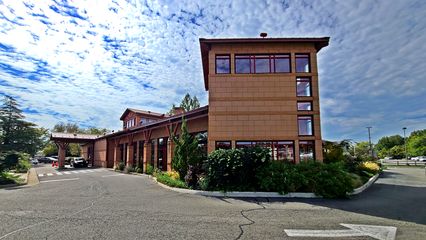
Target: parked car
(52, 159)
(78, 162)
(421, 158)
(34, 161)
(43, 160)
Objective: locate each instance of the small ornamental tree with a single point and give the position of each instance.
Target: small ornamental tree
(186, 152)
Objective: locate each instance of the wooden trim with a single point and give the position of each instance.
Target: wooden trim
(225, 113)
(262, 98)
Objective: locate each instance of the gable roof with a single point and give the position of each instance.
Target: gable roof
(205, 46)
(142, 112)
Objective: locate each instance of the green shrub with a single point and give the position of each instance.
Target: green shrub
(23, 166)
(280, 177)
(203, 182)
(8, 178)
(357, 181)
(170, 181)
(138, 170)
(326, 180)
(149, 169)
(120, 166)
(129, 169)
(235, 169)
(8, 160)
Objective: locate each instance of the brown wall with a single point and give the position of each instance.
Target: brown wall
(259, 106)
(100, 153)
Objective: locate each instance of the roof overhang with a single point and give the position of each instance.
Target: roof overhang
(205, 46)
(73, 137)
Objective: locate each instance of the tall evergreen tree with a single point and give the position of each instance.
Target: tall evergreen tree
(18, 134)
(188, 103)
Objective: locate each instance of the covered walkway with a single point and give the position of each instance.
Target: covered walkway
(62, 140)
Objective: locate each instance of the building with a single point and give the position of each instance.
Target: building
(262, 91)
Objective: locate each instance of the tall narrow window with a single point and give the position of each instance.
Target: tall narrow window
(302, 63)
(282, 63)
(304, 106)
(242, 64)
(223, 64)
(306, 150)
(303, 87)
(305, 125)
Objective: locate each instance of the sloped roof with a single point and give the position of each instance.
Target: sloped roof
(138, 111)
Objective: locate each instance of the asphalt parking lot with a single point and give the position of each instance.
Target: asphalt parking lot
(101, 204)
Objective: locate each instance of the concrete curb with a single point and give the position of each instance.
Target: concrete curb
(365, 186)
(32, 177)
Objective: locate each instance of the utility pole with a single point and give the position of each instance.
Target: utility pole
(369, 142)
(405, 143)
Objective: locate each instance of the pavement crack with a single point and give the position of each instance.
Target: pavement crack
(251, 221)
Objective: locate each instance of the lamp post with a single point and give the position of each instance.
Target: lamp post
(405, 143)
(369, 142)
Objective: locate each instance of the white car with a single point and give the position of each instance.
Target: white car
(34, 161)
(421, 158)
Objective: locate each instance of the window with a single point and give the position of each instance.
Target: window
(223, 145)
(303, 87)
(279, 150)
(305, 125)
(302, 63)
(223, 64)
(162, 154)
(279, 63)
(306, 150)
(304, 106)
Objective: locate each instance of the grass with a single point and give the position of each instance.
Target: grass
(169, 181)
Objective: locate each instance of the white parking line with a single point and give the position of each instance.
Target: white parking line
(60, 180)
(74, 171)
(115, 175)
(67, 172)
(40, 175)
(58, 173)
(50, 174)
(90, 170)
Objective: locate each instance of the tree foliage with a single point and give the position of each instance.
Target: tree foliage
(188, 103)
(186, 152)
(16, 134)
(416, 143)
(335, 151)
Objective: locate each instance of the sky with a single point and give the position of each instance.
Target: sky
(85, 62)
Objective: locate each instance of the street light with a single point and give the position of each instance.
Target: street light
(405, 143)
(369, 142)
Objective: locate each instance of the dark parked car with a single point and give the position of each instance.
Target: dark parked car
(44, 160)
(78, 162)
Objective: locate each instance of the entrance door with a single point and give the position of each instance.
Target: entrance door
(162, 154)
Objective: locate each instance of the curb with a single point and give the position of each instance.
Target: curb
(365, 186)
(32, 177)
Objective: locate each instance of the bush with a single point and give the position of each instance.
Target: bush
(370, 167)
(149, 169)
(234, 169)
(8, 178)
(120, 166)
(280, 177)
(357, 180)
(173, 175)
(129, 169)
(169, 181)
(8, 160)
(23, 166)
(138, 170)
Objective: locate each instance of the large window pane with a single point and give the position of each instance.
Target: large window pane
(304, 106)
(305, 125)
(262, 65)
(302, 63)
(283, 150)
(306, 150)
(223, 64)
(282, 65)
(303, 87)
(242, 64)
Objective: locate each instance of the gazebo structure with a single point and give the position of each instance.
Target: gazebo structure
(62, 140)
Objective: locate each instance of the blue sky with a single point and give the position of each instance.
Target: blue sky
(86, 61)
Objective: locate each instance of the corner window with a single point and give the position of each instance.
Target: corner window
(270, 63)
(303, 87)
(223, 145)
(279, 150)
(306, 150)
(304, 106)
(223, 64)
(305, 124)
(302, 62)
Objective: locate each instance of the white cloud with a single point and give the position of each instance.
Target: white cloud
(101, 57)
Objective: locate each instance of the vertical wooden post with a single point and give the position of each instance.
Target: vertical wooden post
(116, 152)
(62, 147)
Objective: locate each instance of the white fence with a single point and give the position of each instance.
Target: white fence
(401, 162)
